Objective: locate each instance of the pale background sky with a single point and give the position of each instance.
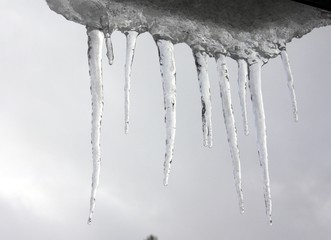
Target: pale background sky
(45, 153)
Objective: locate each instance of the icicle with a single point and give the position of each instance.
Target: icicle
(168, 72)
(95, 41)
(257, 101)
(131, 38)
(290, 84)
(242, 86)
(202, 68)
(230, 124)
(110, 52)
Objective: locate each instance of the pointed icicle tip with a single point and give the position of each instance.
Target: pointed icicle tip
(110, 51)
(204, 85)
(168, 73)
(131, 37)
(242, 91)
(290, 83)
(258, 109)
(95, 43)
(230, 125)
(89, 220)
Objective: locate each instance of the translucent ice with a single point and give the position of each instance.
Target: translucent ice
(230, 124)
(168, 72)
(202, 68)
(131, 37)
(95, 42)
(242, 89)
(258, 108)
(109, 46)
(290, 84)
(251, 32)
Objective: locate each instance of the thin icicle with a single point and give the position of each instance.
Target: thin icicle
(287, 67)
(168, 72)
(95, 41)
(202, 68)
(230, 124)
(257, 101)
(242, 86)
(109, 46)
(131, 37)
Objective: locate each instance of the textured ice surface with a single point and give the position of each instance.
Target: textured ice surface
(168, 72)
(249, 31)
(258, 109)
(95, 42)
(202, 69)
(290, 84)
(230, 125)
(242, 86)
(109, 46)
(131, 37)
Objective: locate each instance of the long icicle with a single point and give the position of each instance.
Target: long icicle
(202, 69)
(131, 37)
(242, 90)
(257, 101)
(168, 72)
(95, 42)
(290, 83)
(109, 46)
(230, 124)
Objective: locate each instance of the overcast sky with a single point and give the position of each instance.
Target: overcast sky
(45, 153)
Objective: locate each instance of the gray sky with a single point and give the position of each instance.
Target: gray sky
(45, 154)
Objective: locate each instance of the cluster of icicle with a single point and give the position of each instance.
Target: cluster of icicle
(249, 75)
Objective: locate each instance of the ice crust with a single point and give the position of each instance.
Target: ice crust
(250, 29)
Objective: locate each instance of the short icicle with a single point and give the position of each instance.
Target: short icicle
(257, 101)
(109, 46)
(95, 42)
(242, 90)
(131, 37)
(290, 83)
(230, 124)
(204, 84)
(168, 72)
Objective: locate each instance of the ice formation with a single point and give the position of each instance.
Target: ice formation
(250, 31)
(95, 43)
(290, 83)
(131, 37)
(109, 46)
(242, 86)
(258, 109)
(202, 69)
(168, 72)
(230, 123)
